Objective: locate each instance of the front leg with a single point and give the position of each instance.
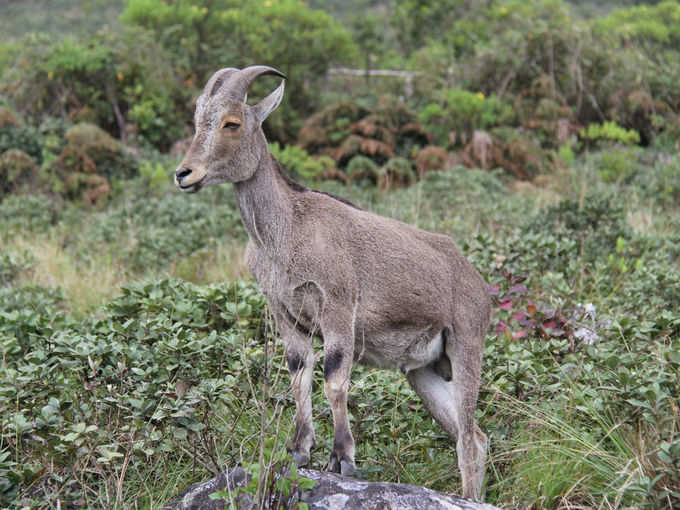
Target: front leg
(300, 355)
(338, 335)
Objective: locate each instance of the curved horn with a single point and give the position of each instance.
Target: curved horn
(217, 79)
(248, 74)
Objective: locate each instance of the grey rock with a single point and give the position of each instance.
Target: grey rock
(331, 492)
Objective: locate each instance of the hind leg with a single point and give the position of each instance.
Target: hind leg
(452, 404)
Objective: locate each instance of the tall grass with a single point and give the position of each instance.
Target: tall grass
(572, 458)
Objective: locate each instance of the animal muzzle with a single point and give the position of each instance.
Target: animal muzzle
(189, 180)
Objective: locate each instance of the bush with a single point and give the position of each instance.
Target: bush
(298, 161)
(89, 163)
(24, 138)
(12, 265)
(595, 224)
(19, 173)
(617, 164)
(153, 233)
(460, 113)
(32, 213)
(360, 168)
(344, 131)
(301, 41)
(609, 132)
(396, 173)
(124, 82)
(660, 182)
(132, 381)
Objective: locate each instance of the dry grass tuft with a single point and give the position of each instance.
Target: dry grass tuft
(86, 283)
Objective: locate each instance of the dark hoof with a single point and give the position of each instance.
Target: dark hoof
(343, 466)
(347, 468)
(300, 459)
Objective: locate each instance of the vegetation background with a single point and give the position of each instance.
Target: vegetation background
(136, 354)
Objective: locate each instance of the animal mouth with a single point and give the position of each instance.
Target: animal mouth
(193, 187)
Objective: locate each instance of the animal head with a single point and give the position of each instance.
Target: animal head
(229, 141)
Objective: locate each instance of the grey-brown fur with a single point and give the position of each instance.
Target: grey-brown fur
(377, 291)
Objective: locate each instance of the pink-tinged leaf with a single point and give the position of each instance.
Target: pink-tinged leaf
(494, 289)
(519, 334)
(550, 324)
(519, 316)
(517, 289)
(506, 305)
(501, 327)
(527, 323)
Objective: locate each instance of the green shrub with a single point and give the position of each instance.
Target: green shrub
(660, 182)
(360, 168)
(89, 163)
(617, 164)
(461, 112)
(109, 158)
(258, 32)
(609, 132)
(152, 233)
(134, 380)
(155, 176)
(396, 173)
(19, 173)
(32, 213)
(595, 224)
(24, 138)
(12, 265)
(122, 81)
(298, 161)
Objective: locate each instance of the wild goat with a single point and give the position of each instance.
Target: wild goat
(377, 291)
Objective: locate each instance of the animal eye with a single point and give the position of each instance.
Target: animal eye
(232, 126)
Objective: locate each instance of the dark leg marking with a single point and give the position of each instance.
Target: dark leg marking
(331, 363)
(295, 363)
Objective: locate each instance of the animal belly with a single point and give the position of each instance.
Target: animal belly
(403, 351)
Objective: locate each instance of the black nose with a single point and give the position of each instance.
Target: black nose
(181, 173)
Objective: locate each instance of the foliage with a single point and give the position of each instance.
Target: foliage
(282, 484)
(300, 41)
(112, 79)
(361, 168)
(660, 182)
(609, 132)
(167, 382)
(594, 224)
(12, 265)
(462, 112)
(616, 164)
(24, 138)
(345, 131)
(298, 161)
(579, 364)
(396, 173)
(90, 161)
(19, 173)
(32, 214)
(109, 389)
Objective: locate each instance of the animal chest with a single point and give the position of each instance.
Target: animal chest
(296, 298)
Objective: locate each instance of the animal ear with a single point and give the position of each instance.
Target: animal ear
(269, 103)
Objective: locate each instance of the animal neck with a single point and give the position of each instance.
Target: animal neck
(266, 207)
